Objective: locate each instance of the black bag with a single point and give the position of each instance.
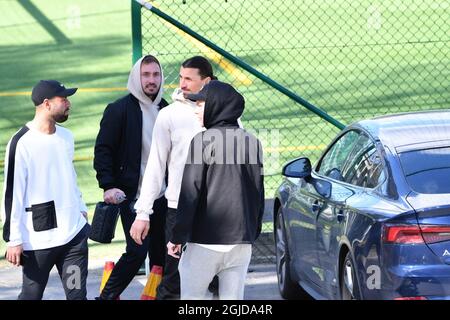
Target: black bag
(104, 222)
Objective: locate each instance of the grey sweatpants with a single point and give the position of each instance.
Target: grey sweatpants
(198, 265)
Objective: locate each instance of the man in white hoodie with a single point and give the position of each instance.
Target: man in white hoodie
(174, 129)
(121, 152)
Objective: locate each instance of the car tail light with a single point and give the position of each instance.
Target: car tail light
(411, 298)
(410, 234)
(432, 234)
(403, 234)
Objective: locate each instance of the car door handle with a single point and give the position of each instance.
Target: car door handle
(340, 215)
(316, 206)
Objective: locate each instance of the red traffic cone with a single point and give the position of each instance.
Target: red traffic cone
(153, 281)
(109, 266)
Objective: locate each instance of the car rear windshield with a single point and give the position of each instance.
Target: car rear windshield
(427, 170)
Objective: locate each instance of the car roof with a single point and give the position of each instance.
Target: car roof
(408, 131)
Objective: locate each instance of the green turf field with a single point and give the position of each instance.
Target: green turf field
(354, 60)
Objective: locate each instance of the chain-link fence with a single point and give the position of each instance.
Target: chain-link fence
(352, 59)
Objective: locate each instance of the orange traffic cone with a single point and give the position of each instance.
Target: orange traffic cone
(109, 266)
(153, 281)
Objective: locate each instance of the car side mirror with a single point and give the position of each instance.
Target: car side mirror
(298, 168)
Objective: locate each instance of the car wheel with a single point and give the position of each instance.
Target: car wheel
(349, 282)
(288, 288)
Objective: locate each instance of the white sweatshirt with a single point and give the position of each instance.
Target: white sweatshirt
(174, 129)
(42, 172)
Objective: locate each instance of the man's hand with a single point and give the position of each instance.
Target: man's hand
(13, 255)
(173, 249)
(139, 230)
(110, 196)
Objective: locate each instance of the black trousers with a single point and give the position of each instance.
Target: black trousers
(71, 260)
(169, 287)
(130, 262)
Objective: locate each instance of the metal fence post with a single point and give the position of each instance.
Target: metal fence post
(136, 30)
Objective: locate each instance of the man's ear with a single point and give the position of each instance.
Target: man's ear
(46, 104)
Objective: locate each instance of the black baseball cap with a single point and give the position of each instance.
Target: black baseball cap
(47, 89)
(201, 95)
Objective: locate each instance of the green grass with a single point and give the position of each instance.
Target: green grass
(331, 53)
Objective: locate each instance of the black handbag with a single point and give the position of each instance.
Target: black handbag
(104, 222)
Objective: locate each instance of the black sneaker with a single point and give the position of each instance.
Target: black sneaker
(214, 286)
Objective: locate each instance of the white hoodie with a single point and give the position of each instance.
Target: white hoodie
(149, 113)
(174, 129)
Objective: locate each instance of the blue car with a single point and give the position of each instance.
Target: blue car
(370, 220)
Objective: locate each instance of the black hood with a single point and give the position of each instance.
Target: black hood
(223, 105)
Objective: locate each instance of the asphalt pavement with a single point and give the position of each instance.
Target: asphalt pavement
(261, 283)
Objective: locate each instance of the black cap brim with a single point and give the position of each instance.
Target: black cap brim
(201, 95)
(67, 92)
(196, 96)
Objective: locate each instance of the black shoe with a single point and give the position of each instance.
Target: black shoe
(163, 294)
(214, 286)
(141, 270)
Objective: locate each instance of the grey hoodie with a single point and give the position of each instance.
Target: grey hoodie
(149, 112)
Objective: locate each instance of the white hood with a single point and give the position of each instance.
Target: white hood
(177, 95)
(135, 88)
(149, 110)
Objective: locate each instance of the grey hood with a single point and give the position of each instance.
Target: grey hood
(135, 88)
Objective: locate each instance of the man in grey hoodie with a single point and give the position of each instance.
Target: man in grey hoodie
(121, 153)
(175, 127)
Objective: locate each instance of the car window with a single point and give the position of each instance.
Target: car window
(333, 161)
(364, 167)
(428, 170)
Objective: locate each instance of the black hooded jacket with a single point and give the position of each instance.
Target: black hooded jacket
(222, 191)
(118, 145)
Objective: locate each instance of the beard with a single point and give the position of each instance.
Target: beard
(60, 118)
(151, 96)
(151, 90)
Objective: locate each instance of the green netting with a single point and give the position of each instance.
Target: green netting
(353, 60)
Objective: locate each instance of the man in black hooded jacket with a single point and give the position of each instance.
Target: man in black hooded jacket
(121, 152)
(221, 202)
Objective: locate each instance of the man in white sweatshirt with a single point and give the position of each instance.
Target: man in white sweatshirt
(44, 215)
(121, 152)
(174, 129)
